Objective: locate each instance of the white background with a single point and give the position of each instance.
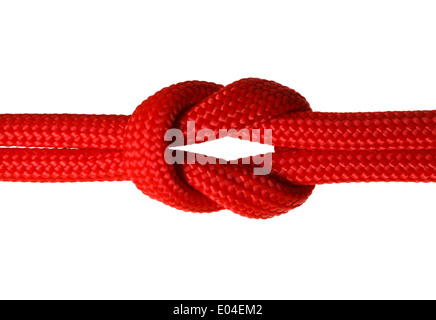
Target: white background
(108, 240)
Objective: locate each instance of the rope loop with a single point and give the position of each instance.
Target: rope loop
(144, 146)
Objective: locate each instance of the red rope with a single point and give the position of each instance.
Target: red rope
(311, 147)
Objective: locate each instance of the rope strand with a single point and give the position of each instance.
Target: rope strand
(62, 130)
(61, 165)
(406, 130)
(310, 167)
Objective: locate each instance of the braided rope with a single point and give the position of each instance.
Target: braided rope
(62, 130)
(311, 147)
(406, 130)
(309, 167)
(61, 165)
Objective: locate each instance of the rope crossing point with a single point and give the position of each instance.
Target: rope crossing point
(311, 147)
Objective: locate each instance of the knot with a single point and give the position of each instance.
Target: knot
(244, 104)
(310, 147)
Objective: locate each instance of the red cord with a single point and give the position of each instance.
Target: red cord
(311, 147)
